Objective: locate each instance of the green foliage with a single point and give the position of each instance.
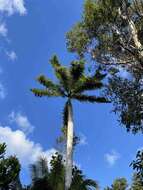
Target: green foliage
(127, 98)
(136, 183)
(72, 82)
(39, 169)
(112, 36)
(79, 182)
(77, 39)
(56, 176)
(2, 150)
(9, 168)
(138, 165)
(42, 184)
(54, 179)
(104, 31)
(118, 184)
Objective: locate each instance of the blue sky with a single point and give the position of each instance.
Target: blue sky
(30, 33)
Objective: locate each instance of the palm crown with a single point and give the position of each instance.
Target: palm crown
(72, 82)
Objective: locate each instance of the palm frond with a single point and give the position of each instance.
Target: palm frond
(77, 69)
(98, 75)
(46, 82)
(61, 72)
(90, 183)
(55, 62)
(42, 166)
(91, 99)
(34, 172)
(45, 92)
(50, 85)
(87, 83)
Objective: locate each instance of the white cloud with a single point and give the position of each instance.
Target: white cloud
(112, 157)
(22, 121)
(2, 91)
(83, 139)
(26, 150)
(12, 6)
(3, 29)
(11, 55)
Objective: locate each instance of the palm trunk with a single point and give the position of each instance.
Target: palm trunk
(69, 150)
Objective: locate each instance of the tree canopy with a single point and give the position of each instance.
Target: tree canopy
(111, 33)
(9, 168)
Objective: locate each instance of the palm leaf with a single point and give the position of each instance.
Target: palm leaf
(61, 72)
(90, 183)
(88, 83)
(45, 92)
(34, 172)
(42, 166)
(91, 99)
(98, 75)
(46, 82)
(50, 85)
(77, 70)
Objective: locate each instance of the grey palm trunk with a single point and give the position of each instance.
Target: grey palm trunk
(69, 147)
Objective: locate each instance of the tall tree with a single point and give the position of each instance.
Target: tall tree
(9, 168)
(111, 32)
(72, 85)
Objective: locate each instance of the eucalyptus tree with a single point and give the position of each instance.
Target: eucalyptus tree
(127, 99)
(111, 33)
(71, 85)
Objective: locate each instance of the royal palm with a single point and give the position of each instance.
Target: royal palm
(72, 85)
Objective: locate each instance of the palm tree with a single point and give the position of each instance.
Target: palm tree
(39, 169)
(71, 85)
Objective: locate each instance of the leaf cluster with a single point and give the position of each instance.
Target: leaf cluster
(72, 82)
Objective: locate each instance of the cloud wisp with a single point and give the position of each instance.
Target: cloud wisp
(3, 29)
(112, 157)
(21, 121)
(83, 139)
(11, 55)
(12, 6)
(2, 91)
(7, 9)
